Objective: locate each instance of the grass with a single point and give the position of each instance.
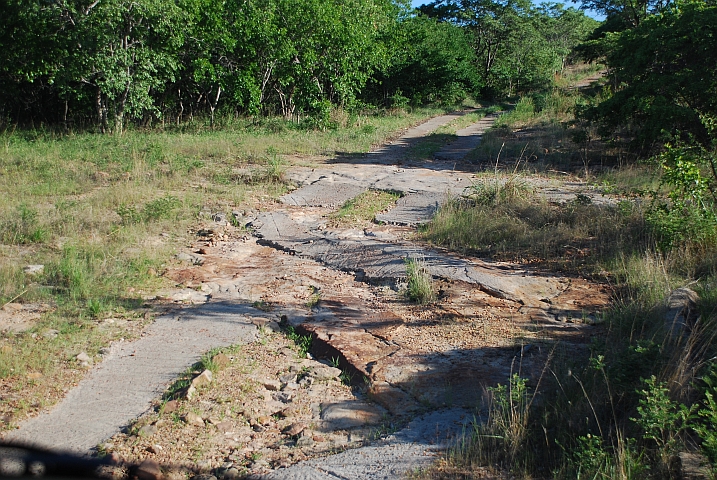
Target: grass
(363, 208)
(626, 409)
(420, 282)
(445, 134)
(502, 218)
(104, 214)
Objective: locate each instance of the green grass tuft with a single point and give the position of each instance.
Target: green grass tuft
(420, 282)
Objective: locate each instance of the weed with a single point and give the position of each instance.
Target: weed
(704, 423)
(661, 419)
(160, 208)
(95, 307)
(314, 298)
(346, 377)
(420, 282)
(302, 342)
(22, 227)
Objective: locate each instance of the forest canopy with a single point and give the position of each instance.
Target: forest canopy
(105, 63)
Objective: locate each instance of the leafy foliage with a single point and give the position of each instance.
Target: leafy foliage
(518, 48)
(79, 62)
(663, 75)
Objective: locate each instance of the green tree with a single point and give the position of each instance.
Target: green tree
(664, 76)
(518, 47)
(124, 51)
(431, 62)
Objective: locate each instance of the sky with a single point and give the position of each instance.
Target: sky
(596, 16)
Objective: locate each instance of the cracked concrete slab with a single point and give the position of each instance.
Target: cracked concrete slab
(133, 374)
(409, 449)
(413, 209)
(378, 261)
(467, 139)
(323, 194)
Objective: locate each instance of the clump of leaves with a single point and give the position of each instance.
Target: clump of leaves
(688, 212)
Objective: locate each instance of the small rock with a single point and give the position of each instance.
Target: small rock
(192, 258)
(221, 360)
(51, 333)
(192, 418)
(283, 397)
(184, 257)
(273, 385)
(273, 326)
(304, 442)
(259, 464)
(203, 379)
(154, 449)
(11, 467)
(12, 307)
(170, 407)
(147, 431)
(318, 439)
(84, 359)
(264, 420)
(682, 309)
(288, 378)
(306, 381)
(190, 392)
(231, 474)
(225, 426)
(34, 269)
(148, 470)
(105, 351)
(350, 414)
(291, 386)
(324, 372)
(294, 429)
(283, 413)
(213, 420)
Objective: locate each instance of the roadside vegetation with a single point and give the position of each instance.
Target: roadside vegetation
(641, 404)
(104, 216)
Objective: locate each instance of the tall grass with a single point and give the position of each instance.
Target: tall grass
(505, 219)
